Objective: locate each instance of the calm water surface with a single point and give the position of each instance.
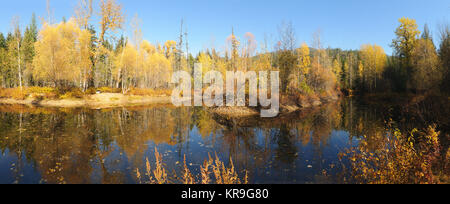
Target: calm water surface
(41, 145)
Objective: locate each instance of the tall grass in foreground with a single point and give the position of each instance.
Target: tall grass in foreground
(213, 171)
(402, 159)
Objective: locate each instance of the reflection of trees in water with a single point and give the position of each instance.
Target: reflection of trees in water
(66, 147)
(279, 136)
(72, 145)
(365, 117)
(286, 150)
(58, 149)
(360, 120)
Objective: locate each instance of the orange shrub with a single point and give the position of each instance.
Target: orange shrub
(402, 159)
(91, 91)
(72, 93)
(40, 90)
(109, 90)
(14, 93)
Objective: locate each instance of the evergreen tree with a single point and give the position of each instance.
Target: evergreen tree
(426, 33)
(3, 59)
(2, 41)
(30, 38)
(444, 55)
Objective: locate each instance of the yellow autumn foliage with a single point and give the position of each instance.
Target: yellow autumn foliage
(62, 53)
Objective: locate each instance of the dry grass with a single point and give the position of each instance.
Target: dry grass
(187, 176)
(232, 112)
(224, 175)
(149, 92)
(213, 171)
(159, 172)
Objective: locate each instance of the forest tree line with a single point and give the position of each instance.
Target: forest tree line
(73, 53)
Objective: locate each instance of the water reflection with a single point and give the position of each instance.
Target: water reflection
(41, 145)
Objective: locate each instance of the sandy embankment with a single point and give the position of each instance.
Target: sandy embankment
(104, 100)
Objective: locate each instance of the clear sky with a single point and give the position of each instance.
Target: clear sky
(345, 24)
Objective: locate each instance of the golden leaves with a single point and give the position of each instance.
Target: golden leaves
(111, 17)
(373, 63)
(399, 160)
(407, 34)
(62, 51)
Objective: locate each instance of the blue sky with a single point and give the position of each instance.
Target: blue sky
(345, 24)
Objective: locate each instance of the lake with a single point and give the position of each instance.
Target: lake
(49, 145)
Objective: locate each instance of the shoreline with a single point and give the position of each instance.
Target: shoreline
(96, 101)
(117, 100)
(287, 106)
